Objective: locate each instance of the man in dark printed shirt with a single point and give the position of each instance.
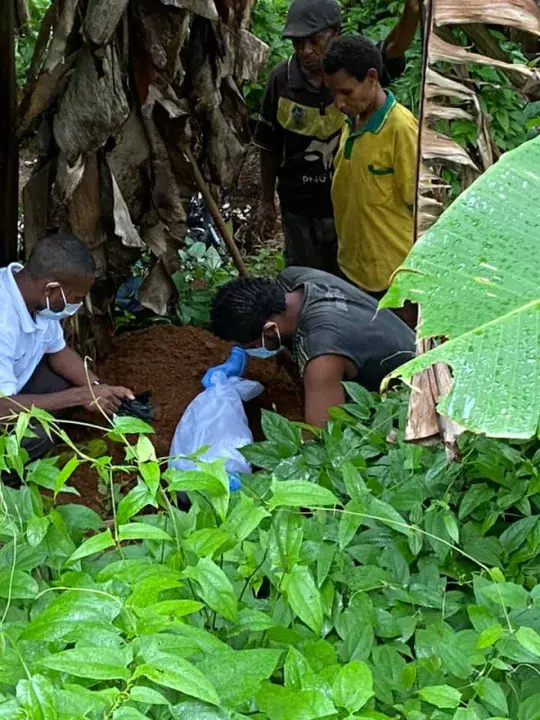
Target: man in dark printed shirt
(299, 128)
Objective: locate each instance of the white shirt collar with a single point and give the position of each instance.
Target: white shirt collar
(28, 325)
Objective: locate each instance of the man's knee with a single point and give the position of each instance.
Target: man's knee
(40, 444)
(45, 381)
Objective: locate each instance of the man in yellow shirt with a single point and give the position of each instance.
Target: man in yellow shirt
(374, 182)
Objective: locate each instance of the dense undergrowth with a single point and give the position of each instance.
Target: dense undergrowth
(353, 576)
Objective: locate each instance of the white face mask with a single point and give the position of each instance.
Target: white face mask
(69, 308)
(262, 352)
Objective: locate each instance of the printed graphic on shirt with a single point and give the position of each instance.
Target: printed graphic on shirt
(322, 151)
(311, 142)
(315, 122)
(338, 297)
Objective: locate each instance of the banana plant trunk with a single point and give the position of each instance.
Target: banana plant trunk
(117, 95)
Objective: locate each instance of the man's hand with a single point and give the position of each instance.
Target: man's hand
(266, 219)
(106, 398)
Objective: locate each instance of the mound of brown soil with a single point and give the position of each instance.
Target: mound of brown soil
(170, 362)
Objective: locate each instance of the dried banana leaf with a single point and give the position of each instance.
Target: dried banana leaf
(205, 8)
(521, 14)
(101, 19)
(439, 147)
(441, 50)
(94, 106)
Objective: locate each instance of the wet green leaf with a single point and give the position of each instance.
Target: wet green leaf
(483, 296)
(292, 493)
(179, 674)
(304, 597)
(529, 639)
(442, 696)
(107, 664)
(36, 697)
(16, 584)
(353, 686)
(350, 521)
(489, 636)
(492, 696)
(214, 587)
(142, 531)
(281, 703)
(95, 544)
(37, 529)
(237, 675)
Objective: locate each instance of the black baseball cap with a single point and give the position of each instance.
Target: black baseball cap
(309, 17)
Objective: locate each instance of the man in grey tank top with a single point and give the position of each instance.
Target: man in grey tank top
(332, 328)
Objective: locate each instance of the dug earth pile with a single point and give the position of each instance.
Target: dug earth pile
(170, 362)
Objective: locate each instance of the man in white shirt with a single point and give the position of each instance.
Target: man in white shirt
(37, 368)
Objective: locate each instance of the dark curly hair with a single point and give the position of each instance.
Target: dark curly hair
(355, 55)
(243, 306)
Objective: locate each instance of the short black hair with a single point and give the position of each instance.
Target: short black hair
(243, 306)
(355, 55)
(60, 256)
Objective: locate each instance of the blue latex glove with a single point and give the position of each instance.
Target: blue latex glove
(234, 366)
(234, 482)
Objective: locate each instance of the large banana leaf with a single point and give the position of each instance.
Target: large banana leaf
(476, 273)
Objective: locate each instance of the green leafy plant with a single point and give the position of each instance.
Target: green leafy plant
(268, 262)
(503, 105)
(353, 576)
(267, 22)
(25, 42)
(476, 273)
(202, 271)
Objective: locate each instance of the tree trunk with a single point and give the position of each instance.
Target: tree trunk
(9, 166)
(22, 16)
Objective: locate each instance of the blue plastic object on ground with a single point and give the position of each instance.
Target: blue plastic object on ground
(216, 419)
(234, 482)
(127, 295)
(234, 366)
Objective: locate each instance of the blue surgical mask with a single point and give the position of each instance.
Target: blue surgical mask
(69, 309)
(262, 352)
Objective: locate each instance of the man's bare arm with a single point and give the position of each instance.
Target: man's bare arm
(269, 171)
(266, 215)
(401, 37)
(69, 364)
(51, 402)
(322, 384)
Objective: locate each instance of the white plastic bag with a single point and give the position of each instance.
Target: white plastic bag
(216, 417)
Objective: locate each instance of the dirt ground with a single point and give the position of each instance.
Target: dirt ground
(170, 362)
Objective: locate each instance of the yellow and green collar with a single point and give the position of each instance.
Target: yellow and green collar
(373, 124)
